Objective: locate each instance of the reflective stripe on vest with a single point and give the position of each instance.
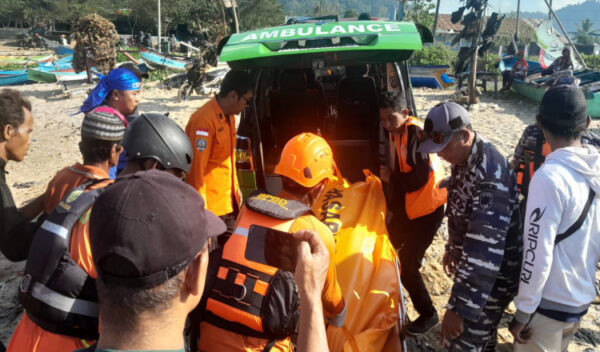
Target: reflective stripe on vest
(59, 301)
(241, 284)
(428, 198)
(57, 294)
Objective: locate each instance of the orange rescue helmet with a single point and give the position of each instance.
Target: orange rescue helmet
(306, 159)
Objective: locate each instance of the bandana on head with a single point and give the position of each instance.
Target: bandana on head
(119, 79)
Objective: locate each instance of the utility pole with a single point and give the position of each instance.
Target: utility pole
(518, 18)
(435, 20)
(235, 16)
(158, 46)
(550, 11)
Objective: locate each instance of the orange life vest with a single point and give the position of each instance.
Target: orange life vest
(533, 159)
(429, 197)
(242, 286)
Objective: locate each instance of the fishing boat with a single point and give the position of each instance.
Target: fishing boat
(8, 78)
(58, 71)
(24, 60)
(430, 76)
(589, 83)
(62, 50)
(535, 86)
(155, 58)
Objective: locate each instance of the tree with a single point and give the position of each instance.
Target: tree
(419, 11)
(350, 14)
(585, 32)
(256, 14)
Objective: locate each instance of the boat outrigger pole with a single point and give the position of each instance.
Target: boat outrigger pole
(566, 34)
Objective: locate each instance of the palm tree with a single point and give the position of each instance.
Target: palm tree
(585, 32)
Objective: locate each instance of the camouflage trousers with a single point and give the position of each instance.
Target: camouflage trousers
(481, 335)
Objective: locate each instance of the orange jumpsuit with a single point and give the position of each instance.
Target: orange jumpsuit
(213, 173)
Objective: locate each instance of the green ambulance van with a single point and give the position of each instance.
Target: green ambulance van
(320, 77)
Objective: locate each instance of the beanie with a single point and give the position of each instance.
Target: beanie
(103, 126)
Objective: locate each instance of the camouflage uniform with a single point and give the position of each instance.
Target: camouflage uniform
(485, 239)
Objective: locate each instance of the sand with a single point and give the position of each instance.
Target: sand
(500, 119)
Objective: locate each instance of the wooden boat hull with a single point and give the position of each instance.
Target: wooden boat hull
(430, 76)
(158, 59)
(590, 85)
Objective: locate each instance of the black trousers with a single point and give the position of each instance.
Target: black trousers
(411, 238)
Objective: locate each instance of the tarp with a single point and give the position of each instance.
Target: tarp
(367, 267)
(548, 40)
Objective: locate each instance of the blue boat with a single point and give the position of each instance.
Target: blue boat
(430, 76)
(8, 78)
(64, 50)
(158, 59)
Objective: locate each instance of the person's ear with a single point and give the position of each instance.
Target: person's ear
(196, 273)
(405, 112)
(464, 135)
(588, 121)
(8, 131)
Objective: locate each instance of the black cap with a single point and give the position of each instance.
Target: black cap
(147, 227)
(563, 106)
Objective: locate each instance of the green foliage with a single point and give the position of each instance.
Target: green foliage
(433, 55)
(123, 58)
(350, 14)
(255, 14)
(11, 67)
(592, 61)
(420, 11)
(377, 8)
(159, 75)
(585, 33)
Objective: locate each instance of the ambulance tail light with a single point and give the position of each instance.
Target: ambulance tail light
(244, 161)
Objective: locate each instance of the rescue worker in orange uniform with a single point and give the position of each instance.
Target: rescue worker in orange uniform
(415, 200)
(61, 313)
(253, 306)
(211, 129)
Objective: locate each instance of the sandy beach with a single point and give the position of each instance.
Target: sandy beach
(499, 119)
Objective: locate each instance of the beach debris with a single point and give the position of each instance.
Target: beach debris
(99, 36)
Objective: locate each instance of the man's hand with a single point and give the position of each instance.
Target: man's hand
(449, 263)
(385, 173)
(519, 330)
(452, 326)
(312, 265)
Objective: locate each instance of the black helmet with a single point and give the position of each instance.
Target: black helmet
(158, 137)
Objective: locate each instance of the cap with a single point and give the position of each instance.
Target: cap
(442, 120)
(135, 69)
(102, 125)
(147, 227)
(563, 106)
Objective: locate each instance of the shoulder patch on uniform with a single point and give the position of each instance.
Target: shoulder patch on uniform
(486, 200)
(201, 144)
(73, 195)
(275, 207)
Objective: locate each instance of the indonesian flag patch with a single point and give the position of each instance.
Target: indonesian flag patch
(202, 132)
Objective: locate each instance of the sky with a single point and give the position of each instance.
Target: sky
(447, 6)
